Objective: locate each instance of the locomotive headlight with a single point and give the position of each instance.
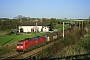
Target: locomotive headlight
(17, 46)
(21, 46)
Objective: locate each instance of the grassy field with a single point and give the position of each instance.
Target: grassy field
(5, 39)
(4, 32)
(15, 38)
(60, 27)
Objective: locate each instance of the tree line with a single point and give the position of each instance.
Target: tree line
(8, 24)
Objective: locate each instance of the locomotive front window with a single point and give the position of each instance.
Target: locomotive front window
(20, 44)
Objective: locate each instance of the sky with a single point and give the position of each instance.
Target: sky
(74, 9)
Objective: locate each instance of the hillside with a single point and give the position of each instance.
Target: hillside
(80, 50)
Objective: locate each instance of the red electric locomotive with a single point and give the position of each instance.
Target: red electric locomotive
(28, 43)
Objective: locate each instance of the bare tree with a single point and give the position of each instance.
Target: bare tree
(18, 17)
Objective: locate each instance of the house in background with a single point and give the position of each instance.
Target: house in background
(33, 27)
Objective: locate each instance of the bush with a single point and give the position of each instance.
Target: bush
(69, 39)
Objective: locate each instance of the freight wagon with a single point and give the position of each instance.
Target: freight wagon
(29, 43)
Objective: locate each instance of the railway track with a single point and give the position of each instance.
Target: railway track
(9, 55)
(28, 54)
(35, 51)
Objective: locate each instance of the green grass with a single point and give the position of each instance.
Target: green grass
(60, 27)
(15, 38)
(85, 42)
(4, 32)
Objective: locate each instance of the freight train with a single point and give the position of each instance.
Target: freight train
(30, 43)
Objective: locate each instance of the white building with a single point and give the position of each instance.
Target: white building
(33, 27)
